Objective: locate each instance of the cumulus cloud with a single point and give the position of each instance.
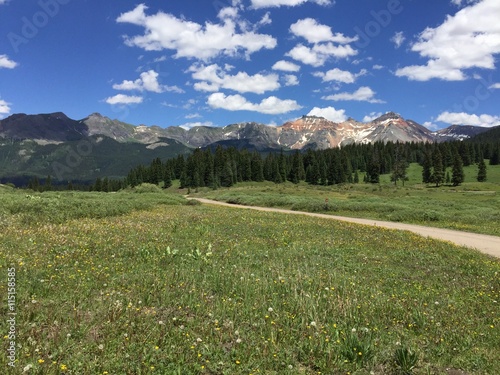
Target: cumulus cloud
(372, 116)
(398, 39)
(325, 44)
(330, 113)
(271, 105)
(338, 75)
(314, 32)
(4, 108)
(462, 118)
(430, 125)
(463, 2)
(148, 81)
(286, 66)
(290, 80)
(5, 62)
(213, 78)
(124, 99)
(318, 54)
(469, 39)
(189, 39)
(291, 3)
(495, 86)
(363, 94)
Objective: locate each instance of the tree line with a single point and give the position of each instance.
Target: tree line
(224, 167)
(354, 163)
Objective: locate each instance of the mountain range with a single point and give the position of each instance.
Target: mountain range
(53, 144)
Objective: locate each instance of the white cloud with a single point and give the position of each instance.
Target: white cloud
(191, 40)
(322, 39)
(469, 39)
(5, 62)
(363, 94)
(4, 107)
(320, 53)
(338, 75)
(398, 39)
(193, 115)
(431, 126)
(3, 2)
(291, 3)
(378, 67)
(459, 2)
(314, 32)
(462, 118)
(148, 81)
(124, 99)
(330, 113)
(291, 80)
(213, 78)
(495, 86)
(286, 66)
(271, 105)
(372, 116)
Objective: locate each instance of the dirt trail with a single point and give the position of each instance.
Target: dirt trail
(482, 242)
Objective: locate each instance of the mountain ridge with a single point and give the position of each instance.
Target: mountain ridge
(295, 134)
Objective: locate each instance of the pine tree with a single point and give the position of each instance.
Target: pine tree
(481, 173)
(457, 172)
(427, 169)
(167, 177)
(48, 184)
(356, 177)
(373, 170)
(437, 168)
(399, 166)
(495, 155)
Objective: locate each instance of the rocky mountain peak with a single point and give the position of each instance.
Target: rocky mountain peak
(388, 116)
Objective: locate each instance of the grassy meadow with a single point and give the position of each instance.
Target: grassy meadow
(131, 283)
(472, 206)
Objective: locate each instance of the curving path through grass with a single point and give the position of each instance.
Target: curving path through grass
(484, 243)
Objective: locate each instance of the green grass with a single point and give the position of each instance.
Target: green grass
(473, 206)
(180, 289)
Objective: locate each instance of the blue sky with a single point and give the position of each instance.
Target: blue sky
(217, 62)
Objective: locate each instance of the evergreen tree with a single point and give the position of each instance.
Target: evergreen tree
(97, 184)
(437, 168)
(457, 172)
(296, 169)
(481, 173)
(427, 169)
(48, 184)
(167, 177)
(495, 155)
(34, 184)
(373, 170)
(257, 167)
(448, 177)
(399, 166)
(356, 177)
(105, 185)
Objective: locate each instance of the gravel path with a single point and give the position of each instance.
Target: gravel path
(482, 242)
